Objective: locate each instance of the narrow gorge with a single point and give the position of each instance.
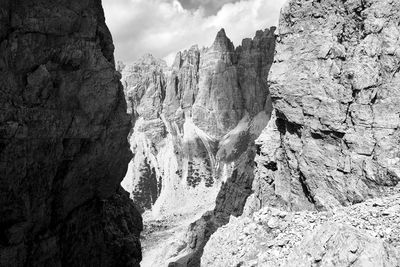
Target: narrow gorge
(194, 135)
(281, 151)
(205, 153)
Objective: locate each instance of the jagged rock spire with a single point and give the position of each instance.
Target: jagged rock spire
(222, 42)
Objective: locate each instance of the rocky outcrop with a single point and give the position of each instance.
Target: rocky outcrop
(343, 246)
(331, 142)
(364, 234)
(254, 60)
(144, 86)
(334, 89)
(194, 139)
(63, 139)
(268, 159)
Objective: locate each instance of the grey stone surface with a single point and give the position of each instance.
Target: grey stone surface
(331, 142)
(197, 122)
(365, 234)
(334, 90)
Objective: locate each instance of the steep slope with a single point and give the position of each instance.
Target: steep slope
(332, 141)
(334, 89)
(196, 129)
(255, 58)
(63, 139)
(365, 234)
(144, 86)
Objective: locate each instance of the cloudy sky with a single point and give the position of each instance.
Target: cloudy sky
(164, 27)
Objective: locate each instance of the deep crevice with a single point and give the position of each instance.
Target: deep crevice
(306, 189)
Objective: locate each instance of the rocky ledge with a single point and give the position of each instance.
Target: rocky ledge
(364, 234)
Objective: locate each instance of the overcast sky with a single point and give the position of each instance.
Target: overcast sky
(164, 27)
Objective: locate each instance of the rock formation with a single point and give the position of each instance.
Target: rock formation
(332, 141)
(63, 139)
(365, 234)
(194, 136)
(144, 85)
(340, 245)
(334, 90)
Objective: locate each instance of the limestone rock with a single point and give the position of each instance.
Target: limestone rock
(342, 245)
(334, 89)
(364, 234)
(194, 136)
(63, 139)
(144, 86)
(252, 58)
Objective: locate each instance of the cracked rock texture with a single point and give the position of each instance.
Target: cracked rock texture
(63, 139)
(330, 151)
(365, 234)
(334, 86)
(194, 136)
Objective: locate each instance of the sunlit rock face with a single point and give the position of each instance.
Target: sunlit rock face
(197, 122)
(196, 117)
(63, 139)
(144, 85)
(334, 86)
(364, 234)
(331, 141)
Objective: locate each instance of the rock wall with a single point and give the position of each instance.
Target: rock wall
(63, 139)
(194, 139)
(331, 142)
(254, 61)
(334, 90)
(144, 86)
(195, 119)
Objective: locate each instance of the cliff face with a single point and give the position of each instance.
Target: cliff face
(144, 85)
(332, 141)
(63, 139)
(196, 118)
(334, 89)
(197, 122)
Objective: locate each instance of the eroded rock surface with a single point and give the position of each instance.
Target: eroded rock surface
(334, 86)
(331, 142)
(194, 139)
(63, 139)
(340, 245)
(365, 234)
(254, 60)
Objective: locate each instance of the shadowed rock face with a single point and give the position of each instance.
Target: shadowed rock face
(63, 139)
(334, 86)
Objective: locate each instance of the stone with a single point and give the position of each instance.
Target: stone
(350, 236)
(193, 138)
(337, 131)
(63, 139)
(273, 222)
(340, 245)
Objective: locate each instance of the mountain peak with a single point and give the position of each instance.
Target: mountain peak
(222, 42)
(221, 33)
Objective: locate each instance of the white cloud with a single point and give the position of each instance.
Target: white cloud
(210, 7)
(164, 27)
